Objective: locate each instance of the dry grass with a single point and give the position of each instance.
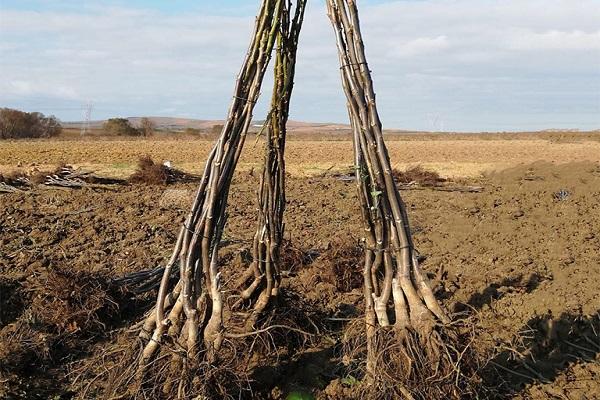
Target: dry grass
(149, 172)
(419, 175)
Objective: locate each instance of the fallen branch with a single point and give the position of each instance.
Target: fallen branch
(463, 189)
(6, 188)
(418, 186)
(68, 182)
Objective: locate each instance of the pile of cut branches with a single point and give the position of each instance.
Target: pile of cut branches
(64, 176)
(14, 182)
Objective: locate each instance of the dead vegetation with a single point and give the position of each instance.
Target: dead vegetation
(419, 175)
(151, 173)
(71, 302)
(62, 304)
(66, 176)
(50, 319)
(545, 345)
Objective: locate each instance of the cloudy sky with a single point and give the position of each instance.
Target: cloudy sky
(454, 65)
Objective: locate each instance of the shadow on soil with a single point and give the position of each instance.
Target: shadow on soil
(496, 291)
(546, 345)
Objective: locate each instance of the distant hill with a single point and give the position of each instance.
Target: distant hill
(181, 124)
(295, 128)
(166, 123)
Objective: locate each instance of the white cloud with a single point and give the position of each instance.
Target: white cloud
(477, 63)
(419, 46)
(20, 87)
(37, 89)
(556, 40)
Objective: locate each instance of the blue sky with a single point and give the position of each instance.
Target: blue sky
(453, 65)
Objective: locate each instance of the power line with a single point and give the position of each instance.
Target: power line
(87, 117)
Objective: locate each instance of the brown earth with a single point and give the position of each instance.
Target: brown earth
(451, 155)
(522, 258)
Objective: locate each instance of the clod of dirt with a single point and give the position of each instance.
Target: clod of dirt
(518, 214)
(176, 198)
(474, 210)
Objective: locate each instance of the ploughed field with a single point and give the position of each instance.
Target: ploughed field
(455, 155)
(520, 259)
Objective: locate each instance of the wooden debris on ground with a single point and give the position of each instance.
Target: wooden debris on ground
(6, 188)
(446, 187)
(65, 177)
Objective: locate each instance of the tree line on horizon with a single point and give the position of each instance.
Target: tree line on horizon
(123, 127)
(15, 124)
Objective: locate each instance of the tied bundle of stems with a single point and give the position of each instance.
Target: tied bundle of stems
(260, 282)
(182, 336)
(409, 338)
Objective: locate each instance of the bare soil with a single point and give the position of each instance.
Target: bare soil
(522, 258)
(451, 155)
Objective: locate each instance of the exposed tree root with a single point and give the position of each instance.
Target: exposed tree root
(113, 372)
(435, 364)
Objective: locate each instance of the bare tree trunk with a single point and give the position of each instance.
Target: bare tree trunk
(260, 283)
(398, 297)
